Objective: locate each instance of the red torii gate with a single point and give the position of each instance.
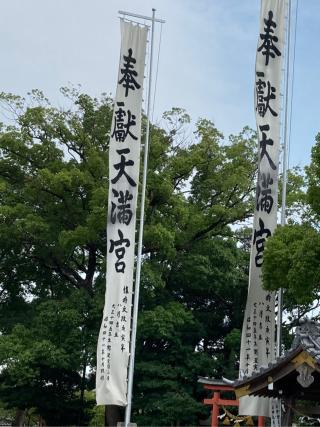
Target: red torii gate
(218, 386)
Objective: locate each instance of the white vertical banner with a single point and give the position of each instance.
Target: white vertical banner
(258, 339)
(124, 158)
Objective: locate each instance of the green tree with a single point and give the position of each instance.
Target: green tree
(53, 202)
(195, 277)
(53, 209)
(291, 254)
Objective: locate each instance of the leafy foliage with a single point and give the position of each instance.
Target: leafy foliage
(53, 205)
(292, 253)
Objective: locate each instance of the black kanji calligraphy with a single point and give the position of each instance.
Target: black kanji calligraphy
(264, 198)
(263, 145)
(121, 211)
(119, 251)
(128, 80)
(123, 121)
(265, 93)
(268, 47)
(259, 239)
(120, 167)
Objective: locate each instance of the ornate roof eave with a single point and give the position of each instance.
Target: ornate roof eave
(271, 374)
(303, 356)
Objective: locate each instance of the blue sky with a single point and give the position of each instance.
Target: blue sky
(206, 63)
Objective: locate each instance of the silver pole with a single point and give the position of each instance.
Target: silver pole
(139, 255)
(135, 15)
(284, 178)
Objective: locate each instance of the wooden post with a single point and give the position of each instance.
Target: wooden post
(260, 421)
(215, 409)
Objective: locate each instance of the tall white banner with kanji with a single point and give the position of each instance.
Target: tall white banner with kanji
(124, 159)
(258, 341)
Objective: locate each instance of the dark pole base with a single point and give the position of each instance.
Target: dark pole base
(113, 414)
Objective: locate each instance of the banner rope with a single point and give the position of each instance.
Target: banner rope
(157, 69)
(292, 79)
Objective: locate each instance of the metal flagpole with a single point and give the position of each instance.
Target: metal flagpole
(139, 255)
(284, 194)
(284, 177)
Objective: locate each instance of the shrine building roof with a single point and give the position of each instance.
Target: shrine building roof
(296, 373)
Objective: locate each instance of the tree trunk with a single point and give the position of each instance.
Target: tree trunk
(41, 422)
(113, 414)
(19, 418)
(83, 385)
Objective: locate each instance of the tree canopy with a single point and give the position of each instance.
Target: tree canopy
(292, 253)
(53, 209)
